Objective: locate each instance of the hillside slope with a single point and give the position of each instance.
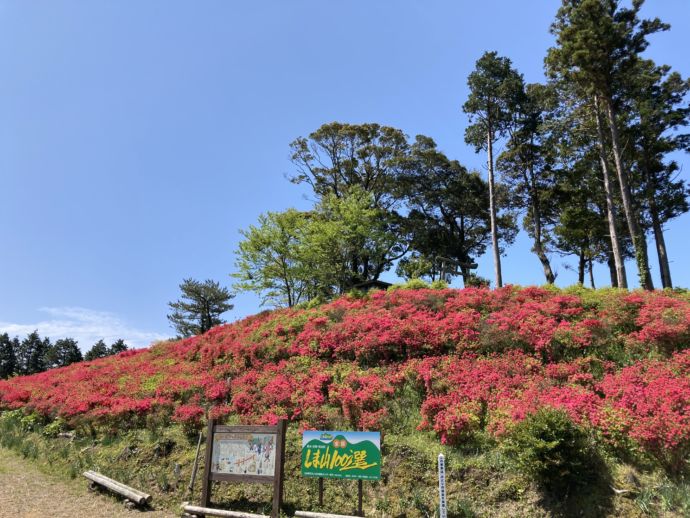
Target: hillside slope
(463, 366)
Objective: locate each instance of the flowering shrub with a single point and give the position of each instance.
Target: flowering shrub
(651, 404)
(480, 360)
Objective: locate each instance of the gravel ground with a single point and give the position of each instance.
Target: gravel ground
(26, 492)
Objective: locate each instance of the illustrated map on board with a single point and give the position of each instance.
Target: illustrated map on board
(244, 453)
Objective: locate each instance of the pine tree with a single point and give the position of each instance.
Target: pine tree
(598, 44)
(495, 89)
(657, 111)
(200, 307)
(448, 212)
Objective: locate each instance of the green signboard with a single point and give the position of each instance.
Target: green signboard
(350, 455)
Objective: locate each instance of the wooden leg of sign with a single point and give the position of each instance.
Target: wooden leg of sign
(280, 459)
(320, 491)
(359, 498)
(206, 487)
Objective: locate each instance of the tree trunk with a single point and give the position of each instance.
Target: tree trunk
(536, 218)
(581, 268)
(492, 209)
(638, 237)
(622, 280)
(546, 265)
(591, 272)
(664, 267)
(612, 269)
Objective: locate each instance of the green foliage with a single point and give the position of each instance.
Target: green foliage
(31, 354)
(98, 350)
(460, 508)
(475, 281)
(55, 427)
(64, 351)
(412, 284)
(448, 213)
(293, 257)
(554, 451)
(200, 307)
(495, 91)
(8, 356)
(270, 259)
(338, 157)
(118, 346)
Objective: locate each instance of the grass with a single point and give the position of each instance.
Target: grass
(480, 479)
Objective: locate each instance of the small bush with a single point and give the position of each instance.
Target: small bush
(412, 284)
(460, 509)
(475, 281)
(54, 428)
(551, 449)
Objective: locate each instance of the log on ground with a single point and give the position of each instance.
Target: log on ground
(208, 511)
(136, 496)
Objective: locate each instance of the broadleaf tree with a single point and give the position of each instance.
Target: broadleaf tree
(448, 213)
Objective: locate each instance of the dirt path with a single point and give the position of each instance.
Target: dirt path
(26, 492)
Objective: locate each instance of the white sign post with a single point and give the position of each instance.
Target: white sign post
(442, 508)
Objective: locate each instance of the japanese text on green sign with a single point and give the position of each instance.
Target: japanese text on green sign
(349, 455)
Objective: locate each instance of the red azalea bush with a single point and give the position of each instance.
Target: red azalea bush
(481, 360)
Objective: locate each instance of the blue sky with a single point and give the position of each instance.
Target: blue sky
(137, 138)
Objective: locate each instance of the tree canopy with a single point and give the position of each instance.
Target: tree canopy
(200, 307)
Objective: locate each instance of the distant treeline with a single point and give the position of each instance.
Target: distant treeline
(35, 354)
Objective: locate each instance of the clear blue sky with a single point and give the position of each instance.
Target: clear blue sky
(137, 138)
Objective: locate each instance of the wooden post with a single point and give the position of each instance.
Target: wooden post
(359, 498)
(206, 487)
(320, 491)
(195, 468)
(280, 460)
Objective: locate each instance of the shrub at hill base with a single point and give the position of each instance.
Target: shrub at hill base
(556, 452)
(443, 367)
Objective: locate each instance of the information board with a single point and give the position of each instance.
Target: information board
(244, 453)
(254, 454)
(338, 454)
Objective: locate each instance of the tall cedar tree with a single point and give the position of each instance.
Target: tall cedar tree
(598, 44)
(8, 357)
(495, 90)
(657, 111)
(585, 185)
(200, 307)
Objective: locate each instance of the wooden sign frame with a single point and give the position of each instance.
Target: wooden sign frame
(276, 479)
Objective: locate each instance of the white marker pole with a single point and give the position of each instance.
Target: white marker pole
(442, 508)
